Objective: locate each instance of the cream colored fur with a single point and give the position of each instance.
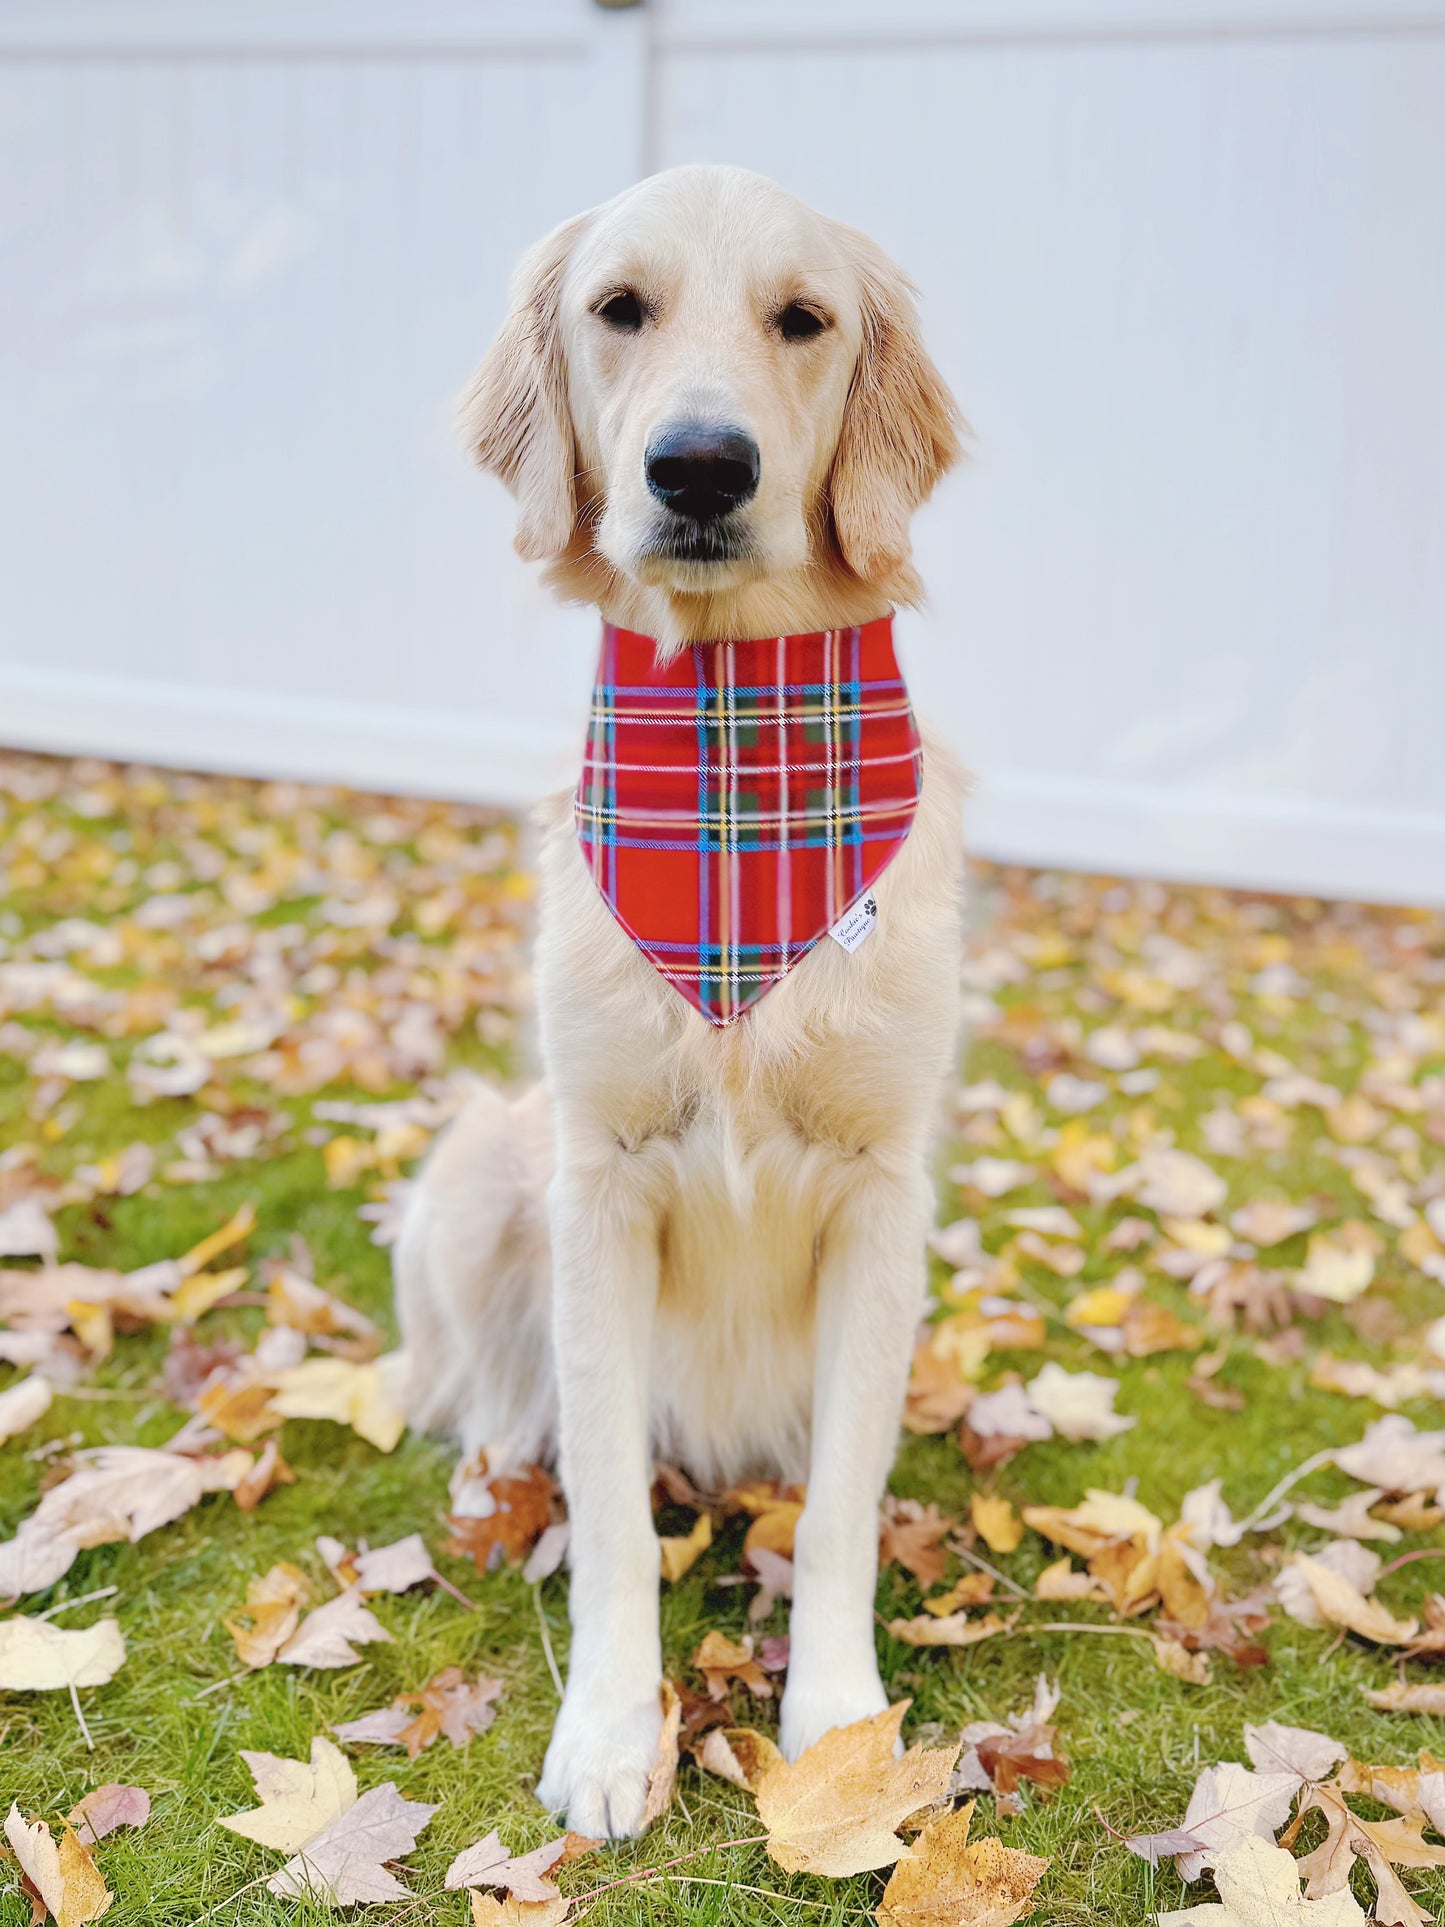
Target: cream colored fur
(703, 1244)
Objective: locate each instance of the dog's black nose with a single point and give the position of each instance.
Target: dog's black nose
(702, 472)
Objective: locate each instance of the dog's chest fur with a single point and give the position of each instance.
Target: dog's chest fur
(735, 1147)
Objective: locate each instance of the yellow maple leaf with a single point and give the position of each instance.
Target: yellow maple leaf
(835, 1809)
(999, 1526)
(681, 1554)
(946, 1880)
(360, 1396)
(298, 1799)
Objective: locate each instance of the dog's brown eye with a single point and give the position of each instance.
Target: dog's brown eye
(797, 323)
(622, 310)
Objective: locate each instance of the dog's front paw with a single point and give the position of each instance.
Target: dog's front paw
(811, 1710)
(599, 1762)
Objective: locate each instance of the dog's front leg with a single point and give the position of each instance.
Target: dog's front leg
(870, 1292)
(604, 1297)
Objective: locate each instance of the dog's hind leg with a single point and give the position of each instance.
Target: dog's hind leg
(473, 1282)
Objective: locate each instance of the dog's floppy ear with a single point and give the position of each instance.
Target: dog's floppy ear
(515, 418)
(900, 429)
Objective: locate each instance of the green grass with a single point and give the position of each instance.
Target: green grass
(176, 1716)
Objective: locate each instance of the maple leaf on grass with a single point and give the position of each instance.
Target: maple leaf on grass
(451, 1706)
(662, 1776)
(365, 1397)
(737, 1754)
(953, 1629)
(681, 1553)
(298, 1799)
(525, 1875)
(324, 1637)
(115, 1492)
(997, 1757)
(1344, 1605)
(107, 1807)
(1258, 1886)
(1230, 1803)
(518, 1510)
(395, 1568)
(996, 1522)
(835, 1810)
(1381, 1844)
(721, 1660)
(37, 1657)
(63, 1875)
(1419, 1696)
(24, 1405)
(946, 1880)
(270, 1628)
(1273, 1748)
(909, 1534)
(345, 1864)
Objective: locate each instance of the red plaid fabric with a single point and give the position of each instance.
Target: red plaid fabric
(736, 802)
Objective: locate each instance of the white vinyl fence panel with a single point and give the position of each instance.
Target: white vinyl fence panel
(1184, 263)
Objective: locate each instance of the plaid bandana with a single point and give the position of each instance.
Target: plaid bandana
(736, 803)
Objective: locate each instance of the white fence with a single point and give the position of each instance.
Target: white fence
(1183, 260)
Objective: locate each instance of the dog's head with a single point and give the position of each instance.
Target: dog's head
(705, 384)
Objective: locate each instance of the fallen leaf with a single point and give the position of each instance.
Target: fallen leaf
(1079, 1405)
(738, 1754)
(1411, 1697)
(450, 1707)
(1175, 1659)
(721, 1660)
(516, 1511)
(996, 1522)
(1342, 1605)
(38, 1657)
(1176, 1184)
(107, 1807)
(65, 1877)
(996, 1758)
(363, 1396)
(938, 1393)
(662, 1775)
(270, 1615)
(1395, 1457)
(116, 1492)
(1273, 1748)
(909, 1536)
(1157, 1847)
(1382, 1845)
(269, 1471)
(324, 1637)
(1229, 1804)
(1339, 1265)
(943, 1880)
(1259, 1887)
(298, 1800)
(953, 1629)
(524, 1875)
(394, 1569)
(24, 1405)
(680, 1555)
(345, 1864)
(835, 1810)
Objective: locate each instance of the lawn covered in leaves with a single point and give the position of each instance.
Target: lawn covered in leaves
(1192, 1239)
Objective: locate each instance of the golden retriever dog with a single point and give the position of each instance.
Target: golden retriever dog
(705, 1243)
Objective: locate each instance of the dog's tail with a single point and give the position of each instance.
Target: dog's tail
(473, 1282)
